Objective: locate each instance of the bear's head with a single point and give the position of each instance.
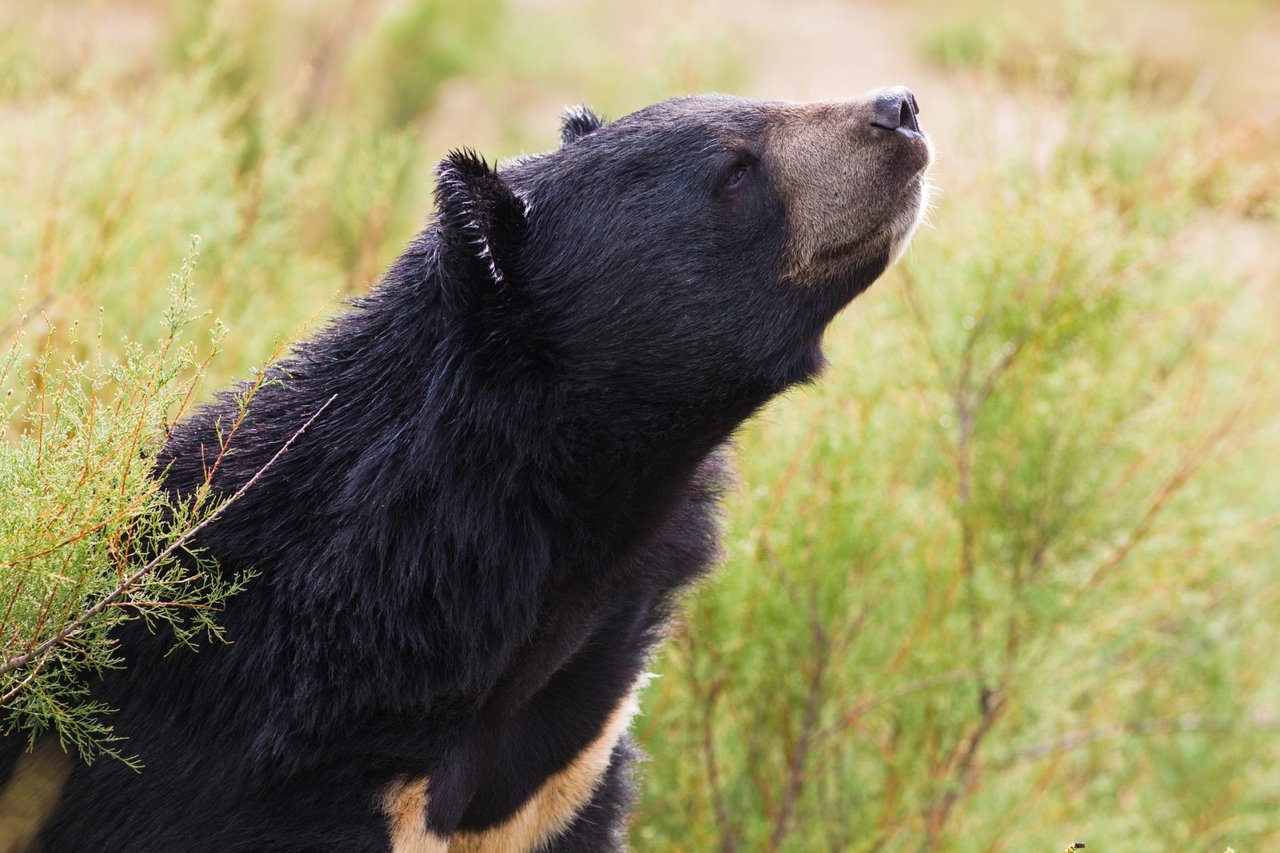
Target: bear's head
(691, 250)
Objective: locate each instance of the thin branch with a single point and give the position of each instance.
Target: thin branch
(728, 833)
(707, 695)
(16, 322)
(870, 703)
(1260, 720)
(61, 636)
(1190, 465)
(799, 760)
(963, 764)
(24, 683)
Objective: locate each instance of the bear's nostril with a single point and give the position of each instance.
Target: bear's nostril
(895, 109)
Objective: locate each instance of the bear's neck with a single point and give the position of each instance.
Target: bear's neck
(450, 499)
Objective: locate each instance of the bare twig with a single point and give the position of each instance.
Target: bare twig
(1261, 720)
(16, 322)
(869, 703)
(963, 763)
(797, 765)
(707, 695)
(22, 685)
(728, 832)
(1190, 465)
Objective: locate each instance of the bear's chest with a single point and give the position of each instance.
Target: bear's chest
(524, 769)
(511, 783)
(545, 813)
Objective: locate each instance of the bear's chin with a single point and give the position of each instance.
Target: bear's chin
(914, 211)
(850, 269)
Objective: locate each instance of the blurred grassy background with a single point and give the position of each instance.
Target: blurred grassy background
(1007, 578)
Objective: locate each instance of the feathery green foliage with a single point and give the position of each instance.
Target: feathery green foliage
(85, 531)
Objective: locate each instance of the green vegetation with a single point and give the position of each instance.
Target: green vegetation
(301, 189)
(1006, 575)
(1005, 578)
(87, 539)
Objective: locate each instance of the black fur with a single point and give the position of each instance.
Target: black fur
(464, 563)
(482, 230)
(578, 122)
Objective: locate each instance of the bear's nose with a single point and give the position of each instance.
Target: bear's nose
(895, 109)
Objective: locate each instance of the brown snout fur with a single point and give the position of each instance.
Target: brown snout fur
(853, 191)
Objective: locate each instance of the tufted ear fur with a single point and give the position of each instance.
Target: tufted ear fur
(578, 121)
(483, 226)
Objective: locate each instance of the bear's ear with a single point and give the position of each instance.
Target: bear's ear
(578, 122)
(483, 225)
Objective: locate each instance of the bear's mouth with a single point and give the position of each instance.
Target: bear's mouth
(885, 244)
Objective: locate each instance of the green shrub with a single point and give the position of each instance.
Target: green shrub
(1004, 577)
(87, 538)
(1001, 577)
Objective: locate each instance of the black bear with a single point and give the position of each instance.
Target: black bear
(466, 559)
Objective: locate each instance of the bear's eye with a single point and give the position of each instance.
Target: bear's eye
(738, 175)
